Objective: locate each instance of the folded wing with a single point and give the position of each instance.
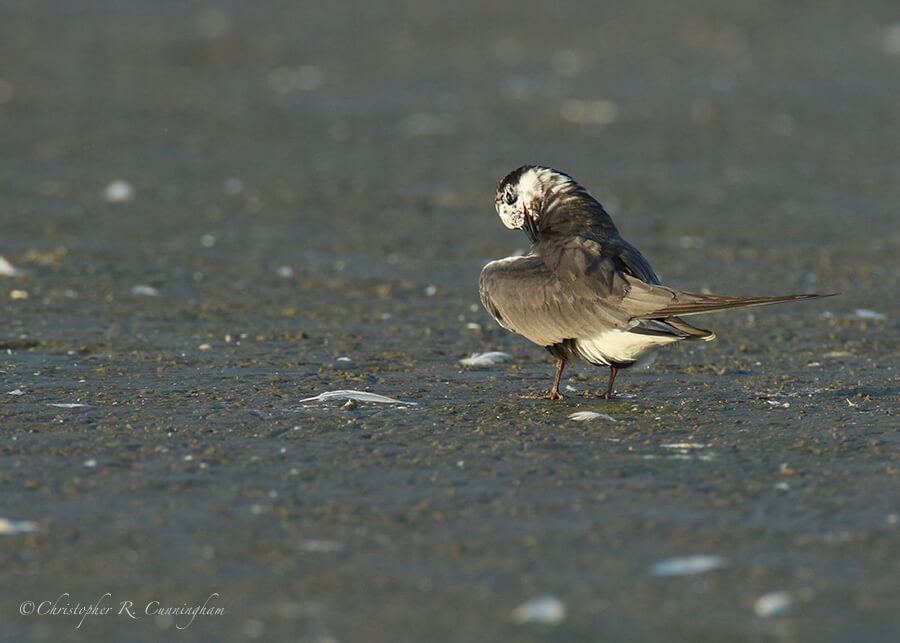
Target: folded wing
(576, 292)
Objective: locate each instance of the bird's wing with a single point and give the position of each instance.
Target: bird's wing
(633, 262)
(576, 290)
(639, 292)
(528, 298)
(648, 301)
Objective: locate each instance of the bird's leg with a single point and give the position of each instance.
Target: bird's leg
(554, 392)
(612, 378)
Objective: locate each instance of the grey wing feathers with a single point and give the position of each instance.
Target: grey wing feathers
(634, 263)
(526, 297)
(579, 289)
(686, 303)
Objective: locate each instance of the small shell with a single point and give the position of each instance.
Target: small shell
(118, 191)
(9, 270)
(583, 416)
(476, 360)
(773, 604)
(543, 609)
(10, 527)
(359, 396)
(687, 565)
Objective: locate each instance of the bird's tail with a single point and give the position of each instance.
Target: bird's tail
(689, 303)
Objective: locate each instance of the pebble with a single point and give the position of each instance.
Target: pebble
(119, 191)
(773, 604)
(688, 565)
(543, 609)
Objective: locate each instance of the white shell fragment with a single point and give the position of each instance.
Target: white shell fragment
(865, 313)
(477, 360)
(543, 609)
(688, 565)
(9, 270)
(144, 289)
(683, 445)
(12, 527)
(773, 604)
(584, 416)
(359, 396)
(118, 191)
(859, 313)
(67, 405)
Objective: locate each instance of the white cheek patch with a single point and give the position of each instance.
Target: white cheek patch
(512, 217)
(531, 190)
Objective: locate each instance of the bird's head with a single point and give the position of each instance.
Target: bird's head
(526, 194)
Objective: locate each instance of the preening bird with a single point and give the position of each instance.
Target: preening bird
(582, 290)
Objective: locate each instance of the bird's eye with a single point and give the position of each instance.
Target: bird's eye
(510, 197)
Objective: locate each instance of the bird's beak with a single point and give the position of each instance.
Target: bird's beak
(529, 226)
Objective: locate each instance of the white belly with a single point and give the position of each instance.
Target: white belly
(621, 347)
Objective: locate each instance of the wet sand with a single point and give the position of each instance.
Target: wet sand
(307, 204)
